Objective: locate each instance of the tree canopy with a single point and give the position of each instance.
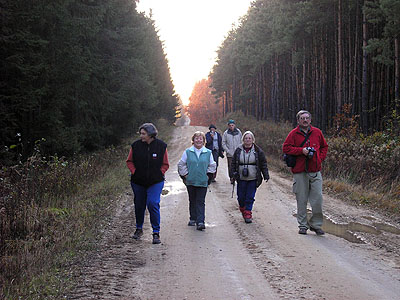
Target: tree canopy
(203, 109)
(78, 75)
(327, 56)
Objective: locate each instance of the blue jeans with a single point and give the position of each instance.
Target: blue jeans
(150, 197)
(197, 203)
(246, 191)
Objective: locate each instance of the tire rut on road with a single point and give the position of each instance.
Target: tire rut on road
(272, 266)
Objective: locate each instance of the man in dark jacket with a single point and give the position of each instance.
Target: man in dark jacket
(214, 143)
(307, 172)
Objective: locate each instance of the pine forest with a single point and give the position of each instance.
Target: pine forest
(332, 58)
(78, 75)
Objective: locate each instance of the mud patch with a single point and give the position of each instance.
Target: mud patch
(351, 231)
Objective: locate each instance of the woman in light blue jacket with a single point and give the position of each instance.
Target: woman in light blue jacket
(196, 168)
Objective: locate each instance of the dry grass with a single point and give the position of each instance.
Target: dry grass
(52, 210)
(358, 169)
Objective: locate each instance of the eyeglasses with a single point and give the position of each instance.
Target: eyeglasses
(305, 118)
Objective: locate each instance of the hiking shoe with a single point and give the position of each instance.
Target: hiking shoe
(248, 220)
(192, 223)
(156, 238)
(318, 231)
(248, 216)
(201, 226)
(138, 233)
(303, 230)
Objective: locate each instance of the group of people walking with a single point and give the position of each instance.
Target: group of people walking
(247, 166)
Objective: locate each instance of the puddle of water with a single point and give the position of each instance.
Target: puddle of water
(173, 188)
(348, 231)
(387, 228)
(210, 224)
(371, 218)
(383, 226)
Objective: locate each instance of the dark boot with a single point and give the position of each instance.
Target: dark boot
(138, 233)
(192, 223)
(156, 238)
(201, 226)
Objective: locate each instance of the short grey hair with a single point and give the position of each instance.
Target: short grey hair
(251, 134)
(302, 112)
(150, 129)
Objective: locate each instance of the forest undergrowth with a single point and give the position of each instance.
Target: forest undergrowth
(51, 211)
(363, 170)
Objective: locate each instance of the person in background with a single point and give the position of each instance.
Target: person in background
(307, 177)
(214, 143)
(196, 168)
(231, 139)
(148, 162)
(249, 167)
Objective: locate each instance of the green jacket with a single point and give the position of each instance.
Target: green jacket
(196, 168)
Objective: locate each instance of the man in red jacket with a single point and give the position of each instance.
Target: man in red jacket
(307, 177)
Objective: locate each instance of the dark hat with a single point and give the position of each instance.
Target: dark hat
(212, 126)
(231, 121)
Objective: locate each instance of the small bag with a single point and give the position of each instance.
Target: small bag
(245, 172)
(290, 160)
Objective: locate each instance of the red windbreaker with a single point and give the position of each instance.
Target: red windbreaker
(316, 140)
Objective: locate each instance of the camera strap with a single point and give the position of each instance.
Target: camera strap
(244, 157)
(306, 138)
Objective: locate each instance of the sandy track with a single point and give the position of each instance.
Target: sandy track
(267, 259)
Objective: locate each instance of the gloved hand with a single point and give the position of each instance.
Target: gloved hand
(183, 179)
(210, 178)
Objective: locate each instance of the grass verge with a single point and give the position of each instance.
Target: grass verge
(53, 212)
(359, 170)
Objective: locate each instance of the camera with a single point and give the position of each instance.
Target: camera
(245, 172)
(311, 152)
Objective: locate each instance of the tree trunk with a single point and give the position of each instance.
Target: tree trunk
(396, 70)
(339, 75)
(364, 96)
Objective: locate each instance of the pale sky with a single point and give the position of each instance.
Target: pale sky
(192, 31)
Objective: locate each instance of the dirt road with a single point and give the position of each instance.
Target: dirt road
(358, 258)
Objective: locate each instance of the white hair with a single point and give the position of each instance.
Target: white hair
(246, 133)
